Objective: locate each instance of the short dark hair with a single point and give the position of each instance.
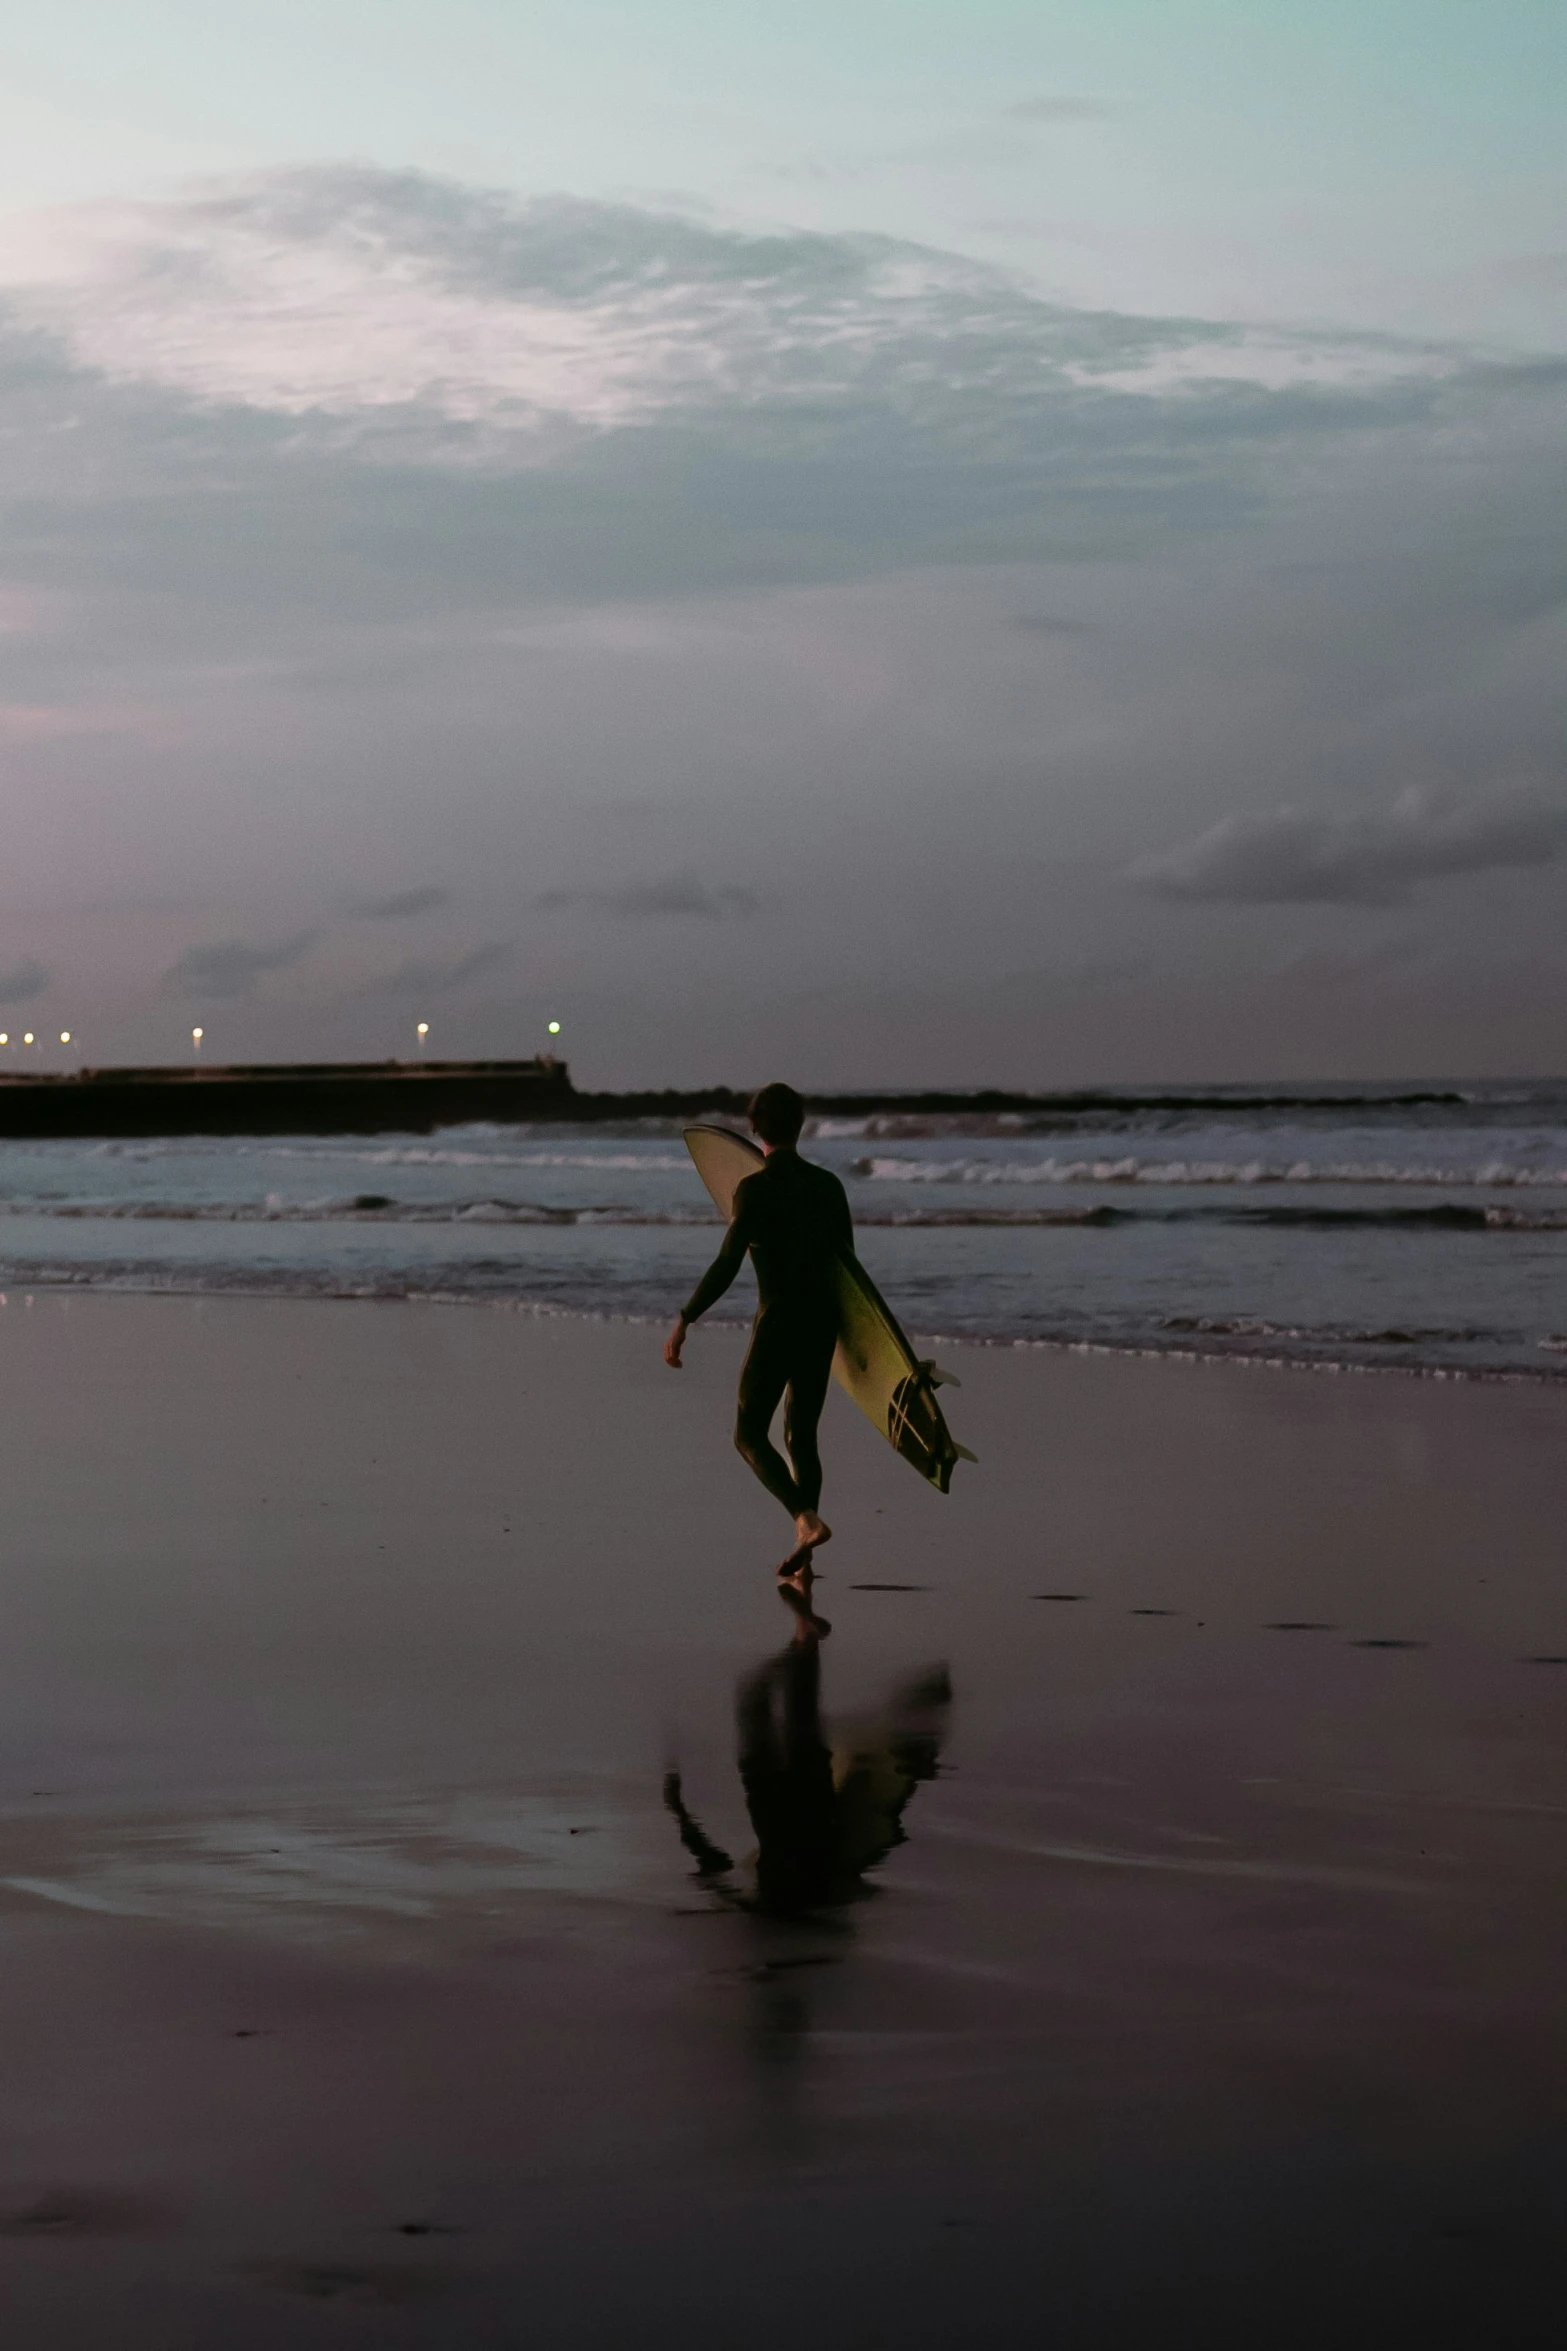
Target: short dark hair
(777, 1114)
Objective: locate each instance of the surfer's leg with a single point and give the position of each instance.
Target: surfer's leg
(810, 1369)
(763, 1378)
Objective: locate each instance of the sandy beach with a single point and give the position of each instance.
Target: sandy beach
(358, 1986)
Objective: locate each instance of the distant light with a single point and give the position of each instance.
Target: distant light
(554, 1028)
(196, 1036)
(424, 1028)
(65, 1036)
(28, 1038)
(4, 1039)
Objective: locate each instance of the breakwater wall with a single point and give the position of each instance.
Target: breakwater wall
(283, 1098)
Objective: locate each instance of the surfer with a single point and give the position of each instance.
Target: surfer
(793, 1218)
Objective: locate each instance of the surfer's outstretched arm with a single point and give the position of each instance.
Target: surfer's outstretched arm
(711, 1860)
(714, 1282)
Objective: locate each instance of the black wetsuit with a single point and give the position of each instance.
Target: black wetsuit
(794, 1219)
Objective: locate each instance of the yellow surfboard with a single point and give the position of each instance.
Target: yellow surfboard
(874, 1362)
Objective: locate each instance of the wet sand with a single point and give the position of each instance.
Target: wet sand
(359, 1983)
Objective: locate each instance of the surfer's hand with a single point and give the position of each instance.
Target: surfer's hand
(673, 1344)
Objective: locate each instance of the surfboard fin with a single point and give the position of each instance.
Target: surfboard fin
(939, 1378)
(964, 1454)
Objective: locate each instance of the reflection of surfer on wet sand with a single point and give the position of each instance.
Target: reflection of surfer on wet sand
(823, 1814)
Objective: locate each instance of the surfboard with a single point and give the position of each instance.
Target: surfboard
(874, 1363)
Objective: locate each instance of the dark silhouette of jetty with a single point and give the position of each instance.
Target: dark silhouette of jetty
(282, 1098)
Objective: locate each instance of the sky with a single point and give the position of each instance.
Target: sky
(894, 544)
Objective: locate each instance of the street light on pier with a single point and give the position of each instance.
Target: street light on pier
(424, 1031)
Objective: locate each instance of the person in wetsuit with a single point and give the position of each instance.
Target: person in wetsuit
(793, 1218)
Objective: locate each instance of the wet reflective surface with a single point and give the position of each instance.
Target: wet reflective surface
(447, 1898)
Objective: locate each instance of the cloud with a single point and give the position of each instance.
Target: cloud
(23, 980)
(424, 900)
(435, 978)
(26, 612)
(416, 315)
(348, 374)
(675, 895)
(32, 722)
(339, 292)
(231, 967)
(1043, 109)
(1296, 856)
(759, 570)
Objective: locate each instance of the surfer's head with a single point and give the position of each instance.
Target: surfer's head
(777, 1115)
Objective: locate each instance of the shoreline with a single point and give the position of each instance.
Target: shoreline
(1545, 1376)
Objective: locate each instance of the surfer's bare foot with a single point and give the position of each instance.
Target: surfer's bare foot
(811, 1532)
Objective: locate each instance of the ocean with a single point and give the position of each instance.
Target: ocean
(1419, 1227)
